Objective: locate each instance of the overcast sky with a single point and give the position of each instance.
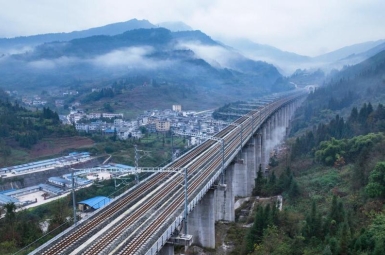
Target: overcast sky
(308, 27)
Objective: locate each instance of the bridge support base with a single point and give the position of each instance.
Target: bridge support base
(225, 197)
(245, 171)
(251, 166)
(201, 221)
(240, 176)
(167, 249)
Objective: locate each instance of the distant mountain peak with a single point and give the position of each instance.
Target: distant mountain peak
(175, 26)
(110, 29)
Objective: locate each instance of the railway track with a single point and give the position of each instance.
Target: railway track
(163, 186)
(66, 244)
(139, 241)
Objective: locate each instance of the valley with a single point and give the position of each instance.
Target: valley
(302, 136)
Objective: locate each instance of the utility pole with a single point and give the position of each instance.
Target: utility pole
(137, 157)
(185, 200)
(136, 163)
(73, 196)
(172, 146)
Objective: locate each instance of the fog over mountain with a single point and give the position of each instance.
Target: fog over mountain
(286, 62)
(158, 55)
(212, 71)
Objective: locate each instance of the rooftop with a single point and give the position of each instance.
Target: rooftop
(96, 202)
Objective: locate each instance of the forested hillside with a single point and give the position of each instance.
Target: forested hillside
(332, 176)
(25, 127)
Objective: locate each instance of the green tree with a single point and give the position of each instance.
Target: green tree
(376, 185)
(344, 239)
(313, 224)
(5, 151)
(259, 182)
(293, 190)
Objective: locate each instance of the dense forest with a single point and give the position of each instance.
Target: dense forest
(333, 175)
(26, 126)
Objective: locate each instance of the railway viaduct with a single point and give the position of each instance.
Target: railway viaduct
(181, 204)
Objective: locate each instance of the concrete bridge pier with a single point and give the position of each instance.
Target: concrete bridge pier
(167, 249)
(281, 117)
(270, 128)
(263, 148)
(287, 119)
(240, 175)
(201, 221)
(224, 197)
(251, 166)
(258, 151)
(286, 109)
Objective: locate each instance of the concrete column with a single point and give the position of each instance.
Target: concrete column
(281, 117)
(201, 221)
(224, 198)
(263, 148)
(167, 249)
(258, 150)
(250, 165)
(276, 117)
(271, 128)
(240, 175)
(287, 119)
(289, 115)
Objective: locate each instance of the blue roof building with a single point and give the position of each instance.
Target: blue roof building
(93, 203)
(4, 199)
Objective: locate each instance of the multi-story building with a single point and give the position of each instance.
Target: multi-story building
(112, 115)
(177, 108)
(162, 125)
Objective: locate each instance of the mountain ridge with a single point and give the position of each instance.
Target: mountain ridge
(168, 62)
(110, 29)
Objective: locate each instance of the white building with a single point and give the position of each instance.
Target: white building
(118, 122)
(177, 108)
(94, 115)
(112, 115)
(81, 127)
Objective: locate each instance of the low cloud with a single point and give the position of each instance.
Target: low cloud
(216, 56)
(130, 58)
(53, 63)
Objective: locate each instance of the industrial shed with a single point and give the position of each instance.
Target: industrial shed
(93, 203)
(4, 199)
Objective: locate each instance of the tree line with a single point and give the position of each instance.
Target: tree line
(27, 127)
(359, 122)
